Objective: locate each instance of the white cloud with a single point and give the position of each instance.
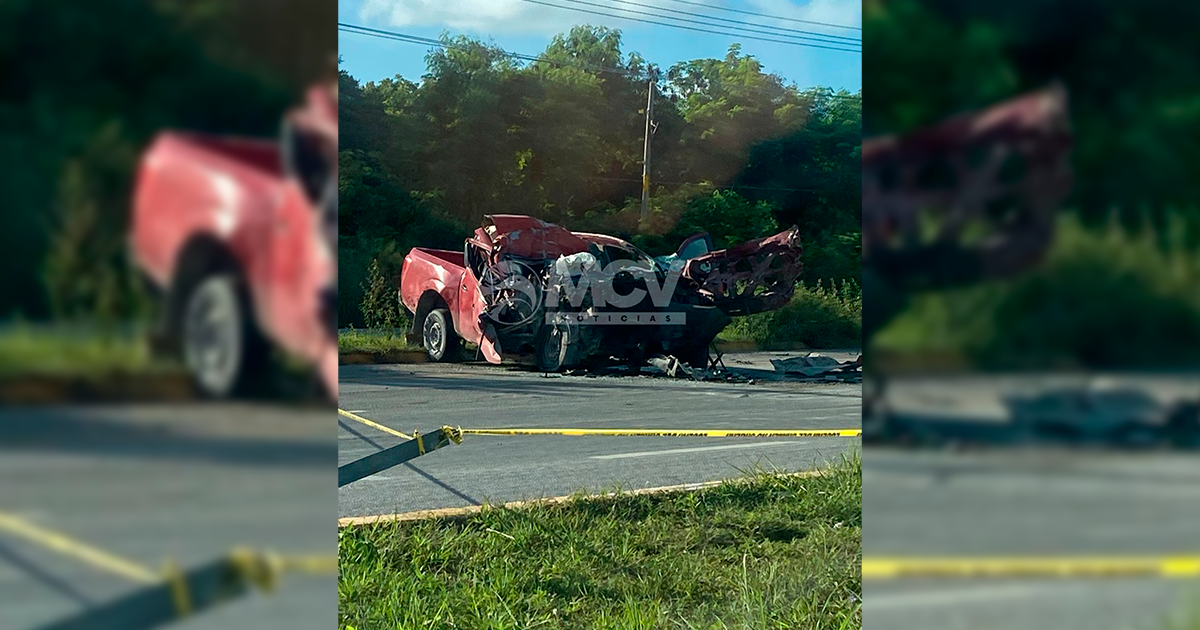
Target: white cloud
(517, 16)
(478, 16)
(844, 12)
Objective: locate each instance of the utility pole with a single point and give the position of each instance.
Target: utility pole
(646, 150)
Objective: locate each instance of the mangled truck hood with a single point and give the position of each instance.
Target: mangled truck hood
(528, 237)
(971, 198)
(756, 276)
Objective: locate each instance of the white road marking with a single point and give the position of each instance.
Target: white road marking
(960, 596)
(693, 450)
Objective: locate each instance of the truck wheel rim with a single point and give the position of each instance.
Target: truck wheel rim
(433, 336)
(552, 348)
(211, 338)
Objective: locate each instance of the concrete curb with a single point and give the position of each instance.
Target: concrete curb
(470, 510)
(36, 389)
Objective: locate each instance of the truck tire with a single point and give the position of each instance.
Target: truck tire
(220, 343)
(442, 344)
(555, 348)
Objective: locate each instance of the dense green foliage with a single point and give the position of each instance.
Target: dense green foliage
(1119, 288)
(818, 316)
(1130, 69)
(767, 551)
(1103, 298)
(736, 152)
(87, 85)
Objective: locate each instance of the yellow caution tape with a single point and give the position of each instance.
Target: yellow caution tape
(664, 432)
(179, 589)
(456, 434)
(264, 569)
(1062, 567)
(311, 565)
(76, 549)
(373, 425)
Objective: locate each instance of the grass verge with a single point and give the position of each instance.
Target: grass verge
(28, 351)
(373, 341)
(1105, 297)
(766, 552)
(821, 316)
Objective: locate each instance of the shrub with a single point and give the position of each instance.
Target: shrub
(818, 317)
(1104, 298)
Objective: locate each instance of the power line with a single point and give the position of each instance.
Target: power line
(855, 40)
(690, 28)
(849, 42)
(773, 17)
(414, 39)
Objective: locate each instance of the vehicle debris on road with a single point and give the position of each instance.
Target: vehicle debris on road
(819, 366)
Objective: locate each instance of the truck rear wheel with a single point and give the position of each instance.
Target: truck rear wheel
(221, 346)
(442, 344)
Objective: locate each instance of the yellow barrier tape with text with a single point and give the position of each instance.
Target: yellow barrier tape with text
(668, 432)
(1035, 567)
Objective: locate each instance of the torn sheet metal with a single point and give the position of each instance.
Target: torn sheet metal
(530, 237)
(969, 199)
(756, 276)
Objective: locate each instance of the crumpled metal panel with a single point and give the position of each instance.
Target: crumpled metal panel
(756, 276)
(969, 199)
(530, 237)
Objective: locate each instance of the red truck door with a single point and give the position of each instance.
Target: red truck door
(297, 267)
(471, 305)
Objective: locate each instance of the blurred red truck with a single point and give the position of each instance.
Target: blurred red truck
(242, 256)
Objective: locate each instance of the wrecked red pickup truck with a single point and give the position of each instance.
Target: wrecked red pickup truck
(243, 250)
(522, 286)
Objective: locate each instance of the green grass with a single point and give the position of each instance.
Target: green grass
(821, 316)
(767, 552)
(1104, 297)
(373, 341)
(46, 351)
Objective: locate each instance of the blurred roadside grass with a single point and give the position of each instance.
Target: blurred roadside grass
(373, 341)
(821, 317)
(48, 351)
(1105, 297)
(766, 551)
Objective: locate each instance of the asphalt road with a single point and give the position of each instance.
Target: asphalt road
(501, 468)
(1027, 502)
(159, 482)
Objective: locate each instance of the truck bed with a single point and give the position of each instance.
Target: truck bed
(447, 256)
(435, 270)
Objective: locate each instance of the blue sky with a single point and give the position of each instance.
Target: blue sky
(524, 27)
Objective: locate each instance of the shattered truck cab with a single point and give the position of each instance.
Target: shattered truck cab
(522, 286)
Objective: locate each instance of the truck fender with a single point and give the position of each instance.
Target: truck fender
(430, 299)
